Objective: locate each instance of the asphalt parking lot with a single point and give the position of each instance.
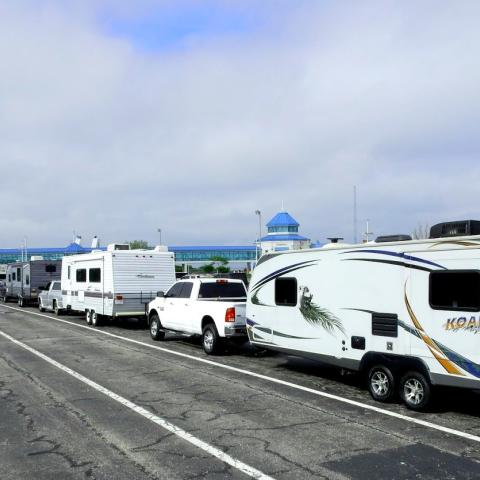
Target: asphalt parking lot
(79, 402)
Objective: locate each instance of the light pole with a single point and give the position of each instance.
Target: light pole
(159, 230)
(259, 244)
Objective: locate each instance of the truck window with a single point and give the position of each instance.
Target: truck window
(286, 291)
(50, 268)
(186, 289)
(175, 291)
(81, 275)
(222, 290)
(94, 275)
(56, 286)
(455, 290)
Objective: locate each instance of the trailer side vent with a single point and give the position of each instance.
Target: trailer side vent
(385, 324)
(455, 229)
(393, 238)
(358, 343)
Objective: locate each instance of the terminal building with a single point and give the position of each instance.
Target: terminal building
(282, 235)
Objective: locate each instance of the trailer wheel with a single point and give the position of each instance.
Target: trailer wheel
(415, 390)
(88, 317)
(381, 383)
(95, 319)
(156, 331)
(211, 341)
(40, 306)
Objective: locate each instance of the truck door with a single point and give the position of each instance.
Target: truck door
(184, 310)
(169, 316)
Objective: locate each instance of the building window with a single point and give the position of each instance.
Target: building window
(81, 275)
(94, 275)
(286, 291)
(455, 290)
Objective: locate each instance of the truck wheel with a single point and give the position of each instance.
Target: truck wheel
(211, 341)
(156, 331)
(56, 310)
(95, 319)
(40, 306)
(381, 383)
(88, 317)
(415, 390)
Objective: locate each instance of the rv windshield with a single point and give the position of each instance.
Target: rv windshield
(222, 290)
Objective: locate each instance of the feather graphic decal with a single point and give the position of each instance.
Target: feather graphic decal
(316, 315)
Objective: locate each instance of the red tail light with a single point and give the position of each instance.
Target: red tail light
(230, 315)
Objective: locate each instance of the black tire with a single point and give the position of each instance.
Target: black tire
(415, 390)
(96, 319)
(40, 306)
(156, 331)
(88, 317)
(381, 383)
(56, 310)
(211, 341)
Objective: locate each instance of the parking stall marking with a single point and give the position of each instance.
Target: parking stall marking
(365, 406)
(183, 434)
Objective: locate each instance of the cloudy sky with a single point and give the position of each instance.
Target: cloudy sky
(119, 117)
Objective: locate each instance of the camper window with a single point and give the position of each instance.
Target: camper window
(94, 275)
(27, 279)
(68, 272)
(455, 290)
(19, 274)
(286, 291)
(14, 278)
(50, 268)
(81, 275)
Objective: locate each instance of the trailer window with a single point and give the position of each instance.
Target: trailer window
(19, 274)
(50, 268)
(14, 278)
(68, 272)
(286, 291)
(455, 290)
(81, 275)
(27, 279)
(186, 289)
(94, 275)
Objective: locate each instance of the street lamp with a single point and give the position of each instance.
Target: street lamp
(259, 244)
(159, 230)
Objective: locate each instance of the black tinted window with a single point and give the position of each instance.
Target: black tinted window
(222, 290)
(81, 275)
(14, 278)
(19, 274)
(186, 289)
(286, 291)
(94, 275)
(455, 290)
(50, 268)
(56, 286)
(175, 291)
(27, 279)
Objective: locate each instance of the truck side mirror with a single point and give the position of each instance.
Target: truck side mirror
(160, 294)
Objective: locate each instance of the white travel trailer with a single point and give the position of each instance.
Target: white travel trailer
(118, 282)
(405, 313)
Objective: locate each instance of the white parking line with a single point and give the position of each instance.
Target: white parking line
(243, 467)
(319, 393)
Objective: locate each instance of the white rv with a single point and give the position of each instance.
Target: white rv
(406, 313)
(117, 282)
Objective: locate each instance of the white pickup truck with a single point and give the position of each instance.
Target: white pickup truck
(211, 307)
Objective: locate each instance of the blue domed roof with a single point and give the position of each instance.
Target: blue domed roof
(282, 219)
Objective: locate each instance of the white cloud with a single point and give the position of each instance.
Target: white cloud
(99, 136)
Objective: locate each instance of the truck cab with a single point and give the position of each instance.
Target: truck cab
(51, 298)
(213, 308)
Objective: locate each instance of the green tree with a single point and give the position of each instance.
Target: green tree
(136, 244)
(208, 268)
(220, 264)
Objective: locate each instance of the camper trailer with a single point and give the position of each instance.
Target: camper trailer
(118, 282)
(25, 280)
(404, 312)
